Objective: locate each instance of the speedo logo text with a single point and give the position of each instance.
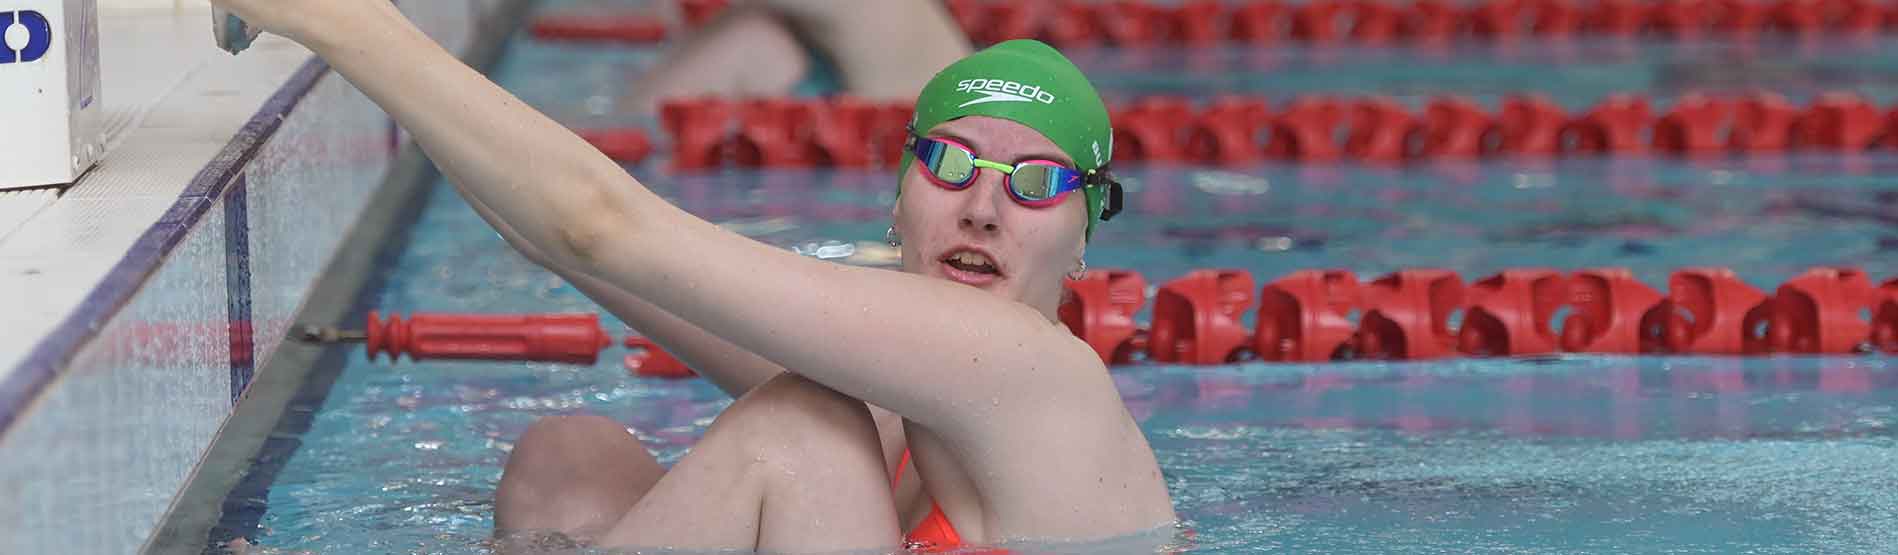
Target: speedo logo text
(1002, 90)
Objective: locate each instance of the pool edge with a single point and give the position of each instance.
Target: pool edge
(196, 509)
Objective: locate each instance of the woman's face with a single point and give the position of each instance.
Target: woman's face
(979, 235)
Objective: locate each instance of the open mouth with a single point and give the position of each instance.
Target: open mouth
(971, 262)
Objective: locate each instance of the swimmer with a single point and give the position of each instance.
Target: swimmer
(1010, 427)
(772, 48)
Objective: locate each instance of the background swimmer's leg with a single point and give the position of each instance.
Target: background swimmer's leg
(791, 467)
(576, 475)
(746, 52)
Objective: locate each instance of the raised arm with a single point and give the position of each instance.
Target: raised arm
(927, 349)
(731, 368)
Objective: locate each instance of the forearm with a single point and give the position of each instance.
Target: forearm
(732, 369)
(534, 173)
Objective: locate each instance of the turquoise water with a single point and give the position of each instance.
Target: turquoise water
(1557, 455)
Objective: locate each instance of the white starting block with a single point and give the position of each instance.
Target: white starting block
(50, 128)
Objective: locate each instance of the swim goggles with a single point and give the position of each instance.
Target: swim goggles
(1032, 183)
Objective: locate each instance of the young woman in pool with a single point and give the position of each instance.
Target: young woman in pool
(1012, 424)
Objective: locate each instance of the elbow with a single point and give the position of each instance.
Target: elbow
(600, 223)
(585, 239)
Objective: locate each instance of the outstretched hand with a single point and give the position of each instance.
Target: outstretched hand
(304, 21)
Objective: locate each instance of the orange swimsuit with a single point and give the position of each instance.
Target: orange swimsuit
(934, 532)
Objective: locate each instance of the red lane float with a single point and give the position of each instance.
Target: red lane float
(1305, 131)
(1407, 315)
(1705, 312)
(1762, 123)
(841, 133)
(1609, 308)
(565, 338)
(1305, 316)
(1884, 336)
(700, 12)
(1452, 128)
(1510, 313)
(698, 127)
(1818, 313)
(625, 145)
(652, 362)
(1100, 310)
(1839, 122)
(1196, 318)
(597, 27)
(1529, 125)
(1617, 125)
(1379, 131)
(1228, 131)
(1692, 127)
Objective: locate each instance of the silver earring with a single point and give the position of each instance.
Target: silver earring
(1081, 273)
(891, 238)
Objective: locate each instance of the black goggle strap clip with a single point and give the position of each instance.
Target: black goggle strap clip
(1102, 178)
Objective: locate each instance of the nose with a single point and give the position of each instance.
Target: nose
(981, 210)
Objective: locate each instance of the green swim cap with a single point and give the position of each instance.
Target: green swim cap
(1030, 83)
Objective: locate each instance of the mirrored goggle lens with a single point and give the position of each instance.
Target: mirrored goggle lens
(948, 163)
(1035, 181)
(1043, 181)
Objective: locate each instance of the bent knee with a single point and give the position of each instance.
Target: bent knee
(573, 474)
(566, 440)
(795, 410)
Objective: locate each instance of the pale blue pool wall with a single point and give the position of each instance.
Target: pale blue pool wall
(103, 425)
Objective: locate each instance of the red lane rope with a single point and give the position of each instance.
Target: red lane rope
(1133, 23)
(1325, 315)
(1236, 130)
(1419, 314)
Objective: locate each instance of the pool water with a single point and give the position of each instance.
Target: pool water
(1550, 455)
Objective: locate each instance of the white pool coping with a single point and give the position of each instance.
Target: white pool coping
(173, 101)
